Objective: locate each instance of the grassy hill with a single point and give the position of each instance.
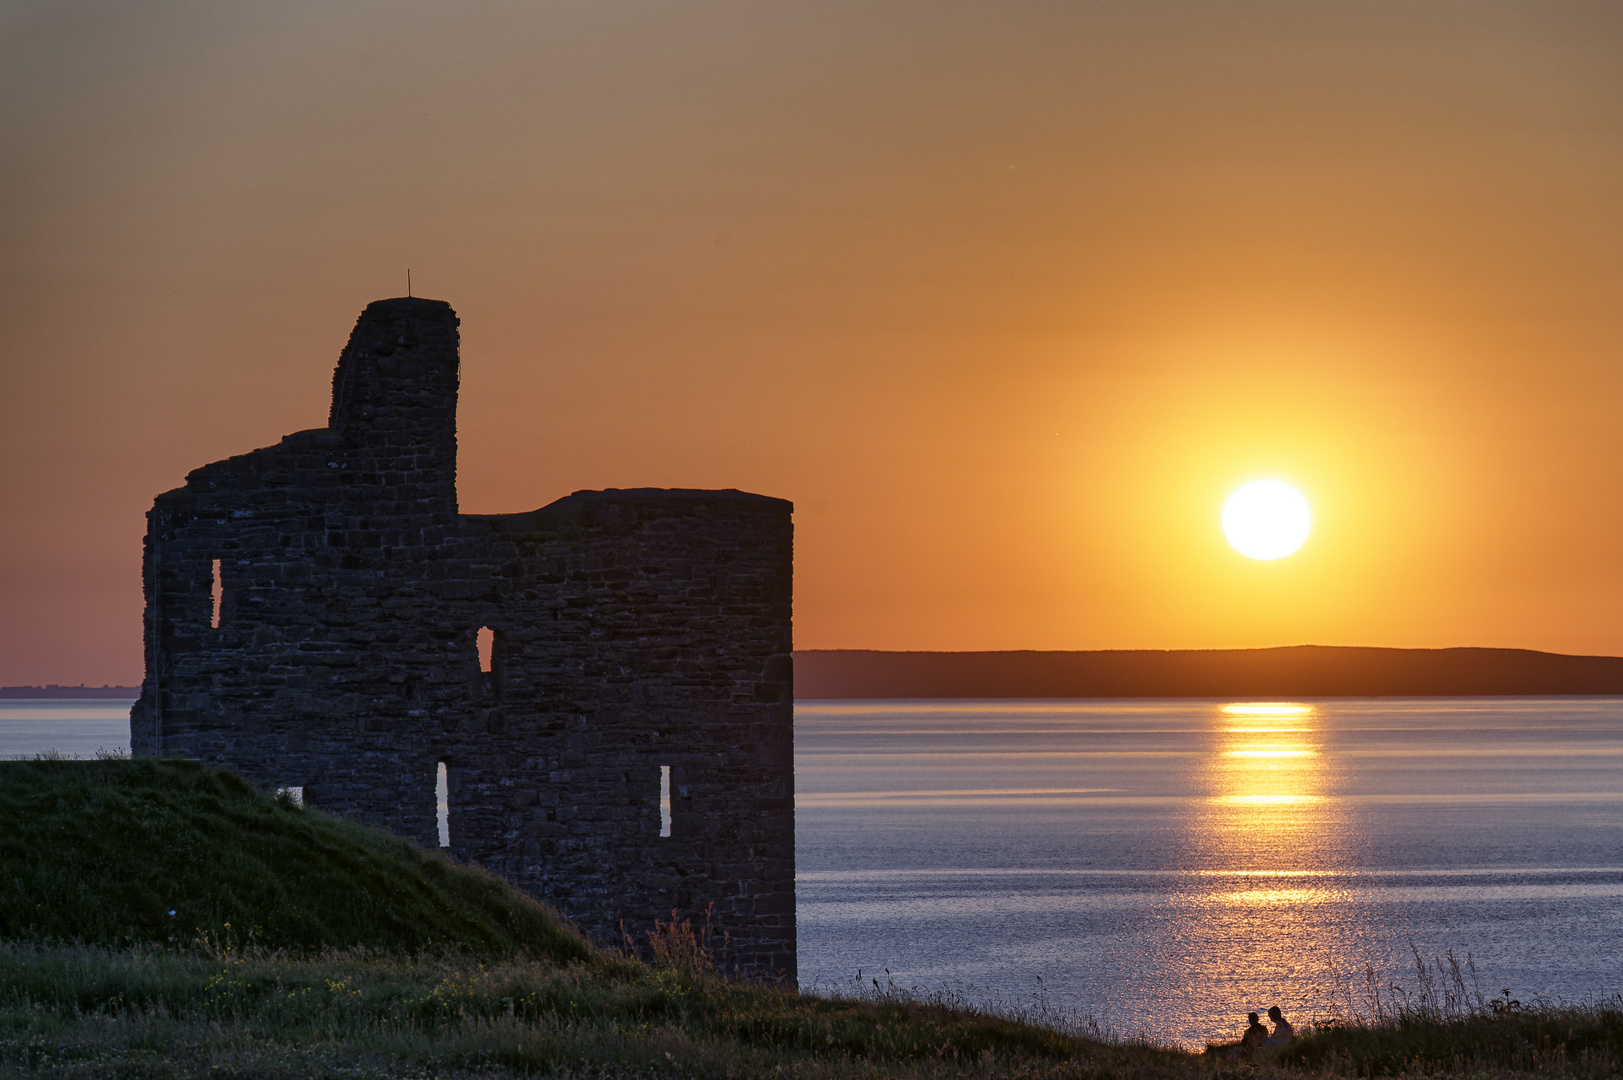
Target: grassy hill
(352, 953)
(117, 852)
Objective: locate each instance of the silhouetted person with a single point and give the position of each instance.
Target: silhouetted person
(1256, 1034)
(1283, 1032)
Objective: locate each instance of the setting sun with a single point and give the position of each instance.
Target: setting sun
(1266, 520)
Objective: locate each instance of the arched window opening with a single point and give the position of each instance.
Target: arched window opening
(488, 643)
(442, 799)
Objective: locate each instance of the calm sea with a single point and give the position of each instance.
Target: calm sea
(63, 726)
(1168, 866)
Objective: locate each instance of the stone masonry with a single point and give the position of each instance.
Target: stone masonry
(312, 617)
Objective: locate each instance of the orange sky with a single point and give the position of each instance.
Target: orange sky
(1006, 297)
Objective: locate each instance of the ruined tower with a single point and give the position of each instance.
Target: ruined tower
(313, 613)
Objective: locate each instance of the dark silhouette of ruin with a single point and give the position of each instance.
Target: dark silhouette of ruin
(313, 612)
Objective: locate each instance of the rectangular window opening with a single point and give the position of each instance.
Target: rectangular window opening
(664, 800)
(442, 799)
(487, 646)
(294, 795)
(218, 592)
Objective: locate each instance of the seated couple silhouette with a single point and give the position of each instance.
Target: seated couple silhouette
(1257, 1036)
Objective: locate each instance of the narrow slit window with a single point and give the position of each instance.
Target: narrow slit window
(664, 800)
(442, 800)
(217, 591)
(487, 648)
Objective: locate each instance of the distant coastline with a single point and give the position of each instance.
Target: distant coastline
(78, 693)
(1294, 671)
(1288, 671)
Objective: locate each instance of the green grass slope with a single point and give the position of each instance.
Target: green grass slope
(117, 852)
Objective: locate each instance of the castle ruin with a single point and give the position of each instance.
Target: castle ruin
(313, 618)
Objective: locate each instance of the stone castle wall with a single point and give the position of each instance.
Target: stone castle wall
(634, 631)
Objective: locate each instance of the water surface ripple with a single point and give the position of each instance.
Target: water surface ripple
(1170, 865)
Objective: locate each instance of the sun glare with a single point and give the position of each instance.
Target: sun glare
(1266, 520)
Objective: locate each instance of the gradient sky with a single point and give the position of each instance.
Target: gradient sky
(1006, 297)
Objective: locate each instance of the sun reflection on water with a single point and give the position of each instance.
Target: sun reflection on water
(1270, 897)
(1267, 708)
(1262, 772)
(1273, 831)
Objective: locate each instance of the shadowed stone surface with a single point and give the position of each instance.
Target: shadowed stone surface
(632, 630)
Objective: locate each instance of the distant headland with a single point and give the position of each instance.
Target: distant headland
(1288, 671)
(1295, 671)
(77, 693)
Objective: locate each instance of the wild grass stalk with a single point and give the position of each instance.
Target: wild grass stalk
(221, 1006)
(1436, 1019)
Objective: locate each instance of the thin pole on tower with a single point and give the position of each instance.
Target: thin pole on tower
(408, 282)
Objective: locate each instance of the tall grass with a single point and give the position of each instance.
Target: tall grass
(1437, 1019)
(85, 1010)
(218, 1008)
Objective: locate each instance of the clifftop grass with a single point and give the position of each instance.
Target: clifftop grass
(161, 918)
(121, 852)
